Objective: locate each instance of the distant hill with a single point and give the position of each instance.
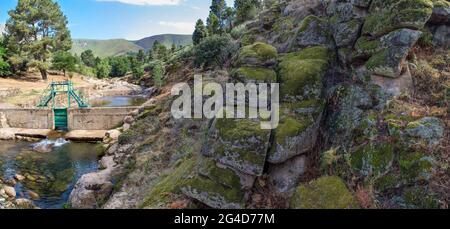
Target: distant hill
(104, 48)
(166, 39)
(116, 47)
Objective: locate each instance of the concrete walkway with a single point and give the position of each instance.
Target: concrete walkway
(75, 135)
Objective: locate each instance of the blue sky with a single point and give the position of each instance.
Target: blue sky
(129, 19)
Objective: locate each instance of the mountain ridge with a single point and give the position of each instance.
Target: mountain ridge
(116, 47)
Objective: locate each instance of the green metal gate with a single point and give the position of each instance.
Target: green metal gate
(60, 116)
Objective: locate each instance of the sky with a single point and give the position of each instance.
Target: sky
(129, 19)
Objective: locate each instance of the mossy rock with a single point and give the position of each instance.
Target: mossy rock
(365, 48)
(428, 129)
(395, 48)
(257, 54)
(297, 130)
(228, 178)
(386, 16)
(313, 31)
(213, 194)
(255, 75)
(346, 33)
(323, 193)
(170, 185)
(415, 167)
(373, 160)
(238, 143)
(301, 76)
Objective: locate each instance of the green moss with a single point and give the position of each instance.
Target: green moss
(390, 15)
(441, 4)
(160, 193)
(316, 53)
(306, 23)
(259, 50)
(296, 74)
(373, 160)
(234, 130)
(388, 182)
(367, 47)
(211, 192)
(324, 193)
(290, 127)
(415, 167)
(258, 74)
(226, 177)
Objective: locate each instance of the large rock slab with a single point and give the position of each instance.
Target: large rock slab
(388, 15)
(238, 143)
(390, 60)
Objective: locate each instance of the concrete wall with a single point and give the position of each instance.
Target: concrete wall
(78, 119)
(103, 118)
(26, 118)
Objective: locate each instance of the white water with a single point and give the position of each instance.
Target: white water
(49, 143)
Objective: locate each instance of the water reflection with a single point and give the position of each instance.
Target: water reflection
(51, 175)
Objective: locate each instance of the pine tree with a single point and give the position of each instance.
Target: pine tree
(88, 58)
(213, 24)
(218, 8)
(35, 30)
(246, 9)
(200, 32)
(140, 57)
(4, 66)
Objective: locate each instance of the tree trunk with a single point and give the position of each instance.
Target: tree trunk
(43, 74)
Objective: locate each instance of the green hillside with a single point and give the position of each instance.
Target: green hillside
(115, 47)
(166, 39)
(104, 48)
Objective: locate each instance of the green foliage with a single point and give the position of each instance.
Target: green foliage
(214, 50)
(88, 58)
(158, 74)
(213, 24)
(137, 68)
(246, 9)
(219, 9)
(119, 66)
(64, 61)
(35, 30)
(140, 57)
(102, 69)
(4, 66)
(200, 32)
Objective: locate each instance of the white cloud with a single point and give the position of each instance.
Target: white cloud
(146, 2)
(180, 27)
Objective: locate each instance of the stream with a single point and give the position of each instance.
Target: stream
(52, 175)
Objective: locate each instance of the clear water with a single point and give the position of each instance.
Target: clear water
(118, 101)
(52, 174)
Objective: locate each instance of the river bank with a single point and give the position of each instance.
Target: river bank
(39, 168)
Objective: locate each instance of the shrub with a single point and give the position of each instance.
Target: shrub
(215, 50)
